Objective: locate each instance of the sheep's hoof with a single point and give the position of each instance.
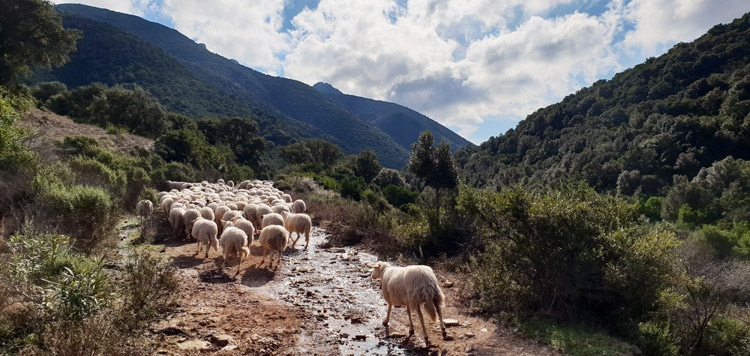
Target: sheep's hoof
(385, 322)
(445, 335)
(427, 342)
(411, 332)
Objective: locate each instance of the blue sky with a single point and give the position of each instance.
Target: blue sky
(476, 66)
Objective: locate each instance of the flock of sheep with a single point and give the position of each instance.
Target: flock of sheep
(222, 215)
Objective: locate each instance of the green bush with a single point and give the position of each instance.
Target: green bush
(398, 196)
(149, 287)
(564, 252)
(13, 153)
(656, 339)
(352, 187)
(575, 340)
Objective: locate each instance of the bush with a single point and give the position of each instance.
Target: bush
(352, 187)
(149, 287)
(398, 196)
(564, 252)
(88, 214)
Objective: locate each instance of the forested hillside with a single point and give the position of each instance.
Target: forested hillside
(668, 117)
(401, 123)
(295, 104)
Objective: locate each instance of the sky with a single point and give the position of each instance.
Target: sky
(476, 66)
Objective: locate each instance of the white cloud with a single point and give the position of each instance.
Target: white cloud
(664, 22)
(362, 49)
(247, 31)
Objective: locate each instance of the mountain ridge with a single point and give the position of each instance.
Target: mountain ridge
(398, 121)
(280, 97)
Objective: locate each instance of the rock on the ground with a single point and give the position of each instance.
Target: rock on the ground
(194, 344)
(450, 322)
(221, 340)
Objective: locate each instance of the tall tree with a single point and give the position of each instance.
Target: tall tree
(433, 164)
(366, 165)
(31, 35)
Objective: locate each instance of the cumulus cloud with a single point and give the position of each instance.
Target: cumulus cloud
(664, 22)
(248, 31)
(461, 62)
(410, 58)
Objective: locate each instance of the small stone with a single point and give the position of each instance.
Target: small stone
(468, 335)
(451, 322)
(194, 345)
(344, 335)
(484, 330)
(221, 340)
(468, 349)
(360, 337)
(448, 284)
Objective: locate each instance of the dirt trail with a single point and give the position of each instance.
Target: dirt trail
(318, 302)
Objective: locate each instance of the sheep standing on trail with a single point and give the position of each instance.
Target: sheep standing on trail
(207, 213)
(144, 208)
(271, 219)
(188, 217)
(244, 225)
(234, 244)
(411, 286)
(273, 238)
(299, 223)
(205, 232)
(218, 214)
(175, 219)
(299, 206)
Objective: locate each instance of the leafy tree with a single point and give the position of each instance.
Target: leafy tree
(366, 165)
(315, 151)
(31, 35)
(135, 109)
(188, 147)
(433, 164)
(240, 134)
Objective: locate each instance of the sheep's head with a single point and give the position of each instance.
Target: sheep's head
(379, 269)
(228, 224)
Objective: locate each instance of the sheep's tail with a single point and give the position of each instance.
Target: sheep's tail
(245, 252)
(432, 304)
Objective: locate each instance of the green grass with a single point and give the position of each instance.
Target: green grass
(575, 340)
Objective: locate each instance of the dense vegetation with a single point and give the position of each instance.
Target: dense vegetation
(668, 117)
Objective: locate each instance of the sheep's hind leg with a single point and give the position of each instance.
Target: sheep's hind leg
(439, 310)
(411, 324)
(421, 320)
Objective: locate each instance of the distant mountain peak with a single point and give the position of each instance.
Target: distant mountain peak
(326, 88)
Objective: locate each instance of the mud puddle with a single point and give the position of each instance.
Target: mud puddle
(343, 302)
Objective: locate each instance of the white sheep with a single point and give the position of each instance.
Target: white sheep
(271, 219)
(205, 232)
(411, 286)
(188, 217)
(207, 213)
(279, 208)
(233, 243)
(175, 219)
(218, 214)
(273, 238)
(299, 206)
(244, 225)
(299, 223)
(144, 208)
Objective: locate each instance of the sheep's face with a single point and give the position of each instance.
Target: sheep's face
(377, 270)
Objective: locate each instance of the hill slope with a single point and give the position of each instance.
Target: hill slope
(401, 123)
(669, 116)
(273, 96)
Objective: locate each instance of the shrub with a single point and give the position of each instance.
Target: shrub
(564, 252)
(352, 187)
(148, 287)
(398, 196)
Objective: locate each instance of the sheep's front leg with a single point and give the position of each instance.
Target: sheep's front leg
(264, 257)
(411, 324)
(421, 320)
(307, 240)
(208, 247)
(278, 263)
(238, 265)
(199, 249)
(388, 316)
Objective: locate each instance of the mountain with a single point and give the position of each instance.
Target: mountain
(647, 128)
(118, 48)
(401, 123)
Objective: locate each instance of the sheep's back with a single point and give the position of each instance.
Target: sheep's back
(411, 285)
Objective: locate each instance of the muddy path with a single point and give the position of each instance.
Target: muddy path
(317, 302)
